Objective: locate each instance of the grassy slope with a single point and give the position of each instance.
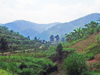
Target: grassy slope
(89, 47)
(81, 45)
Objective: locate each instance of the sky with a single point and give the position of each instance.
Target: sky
(46, 11)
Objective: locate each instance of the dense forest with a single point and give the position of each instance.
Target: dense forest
(75, 53)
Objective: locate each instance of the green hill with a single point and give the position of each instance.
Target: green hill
(19, 43)
(27, 28)
(63, 28)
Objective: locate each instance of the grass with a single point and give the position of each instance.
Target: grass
(91, 46)
(4, 72)
(34, 66)
(93, 49)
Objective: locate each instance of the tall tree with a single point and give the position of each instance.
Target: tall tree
(57, 37)
(4, 45)
(51, 38)
(28, 37)
(59, 51)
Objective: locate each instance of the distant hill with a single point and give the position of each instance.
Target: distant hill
(0, 24)
(27, 28)
(63, 28)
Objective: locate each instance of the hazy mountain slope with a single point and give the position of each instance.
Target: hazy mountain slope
(27, 28)
(68, 27)
(0, 24)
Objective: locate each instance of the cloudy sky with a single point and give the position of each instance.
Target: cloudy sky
(46, 11)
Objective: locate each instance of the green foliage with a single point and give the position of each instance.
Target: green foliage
(89, 56)
(97, 65)
(21, 42)
(69, 49)
(98, 38)
(30, 65)
(4, 44)
(51, 51)
(4, 72)
(91, 46)
(59, 49)
(35, 55)
(75, 64)
(94, 50)
(79, 33)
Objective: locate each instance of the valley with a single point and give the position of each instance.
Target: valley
(78, 53)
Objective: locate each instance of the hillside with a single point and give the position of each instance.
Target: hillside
(81, 45)
(63, 28)
(22, 50)
(27, 28)
(17, 42)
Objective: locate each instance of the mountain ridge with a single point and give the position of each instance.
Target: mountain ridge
(68, 27)
(28, 28)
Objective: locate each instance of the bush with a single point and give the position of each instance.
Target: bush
(75, 64)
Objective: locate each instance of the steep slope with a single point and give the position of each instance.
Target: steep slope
(81, 45)
(27, 28)
(68, 27)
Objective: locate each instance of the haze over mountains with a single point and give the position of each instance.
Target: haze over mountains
(63, 28)
(27, 28)
(44, 31)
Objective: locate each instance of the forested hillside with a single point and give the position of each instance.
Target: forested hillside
(78, 54)
(17, 42)
(63, 28)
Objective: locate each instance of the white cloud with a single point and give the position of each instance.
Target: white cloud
(38, 12)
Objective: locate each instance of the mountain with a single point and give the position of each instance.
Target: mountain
(27, 28)
(0, 24)
(63, 28)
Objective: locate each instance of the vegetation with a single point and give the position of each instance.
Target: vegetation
(75, 64)
(90, 28)
(98, 38)
(27, 65)
(4, 45)
(39, 57)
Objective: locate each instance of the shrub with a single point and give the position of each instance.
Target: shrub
(75, 64)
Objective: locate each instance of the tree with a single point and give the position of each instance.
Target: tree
(28, 37)
(4, 27)
(59, 51)
(4, 45)
(43, 41)
(11, 31)
(51, 38)
(57, 37)
(35, 39)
